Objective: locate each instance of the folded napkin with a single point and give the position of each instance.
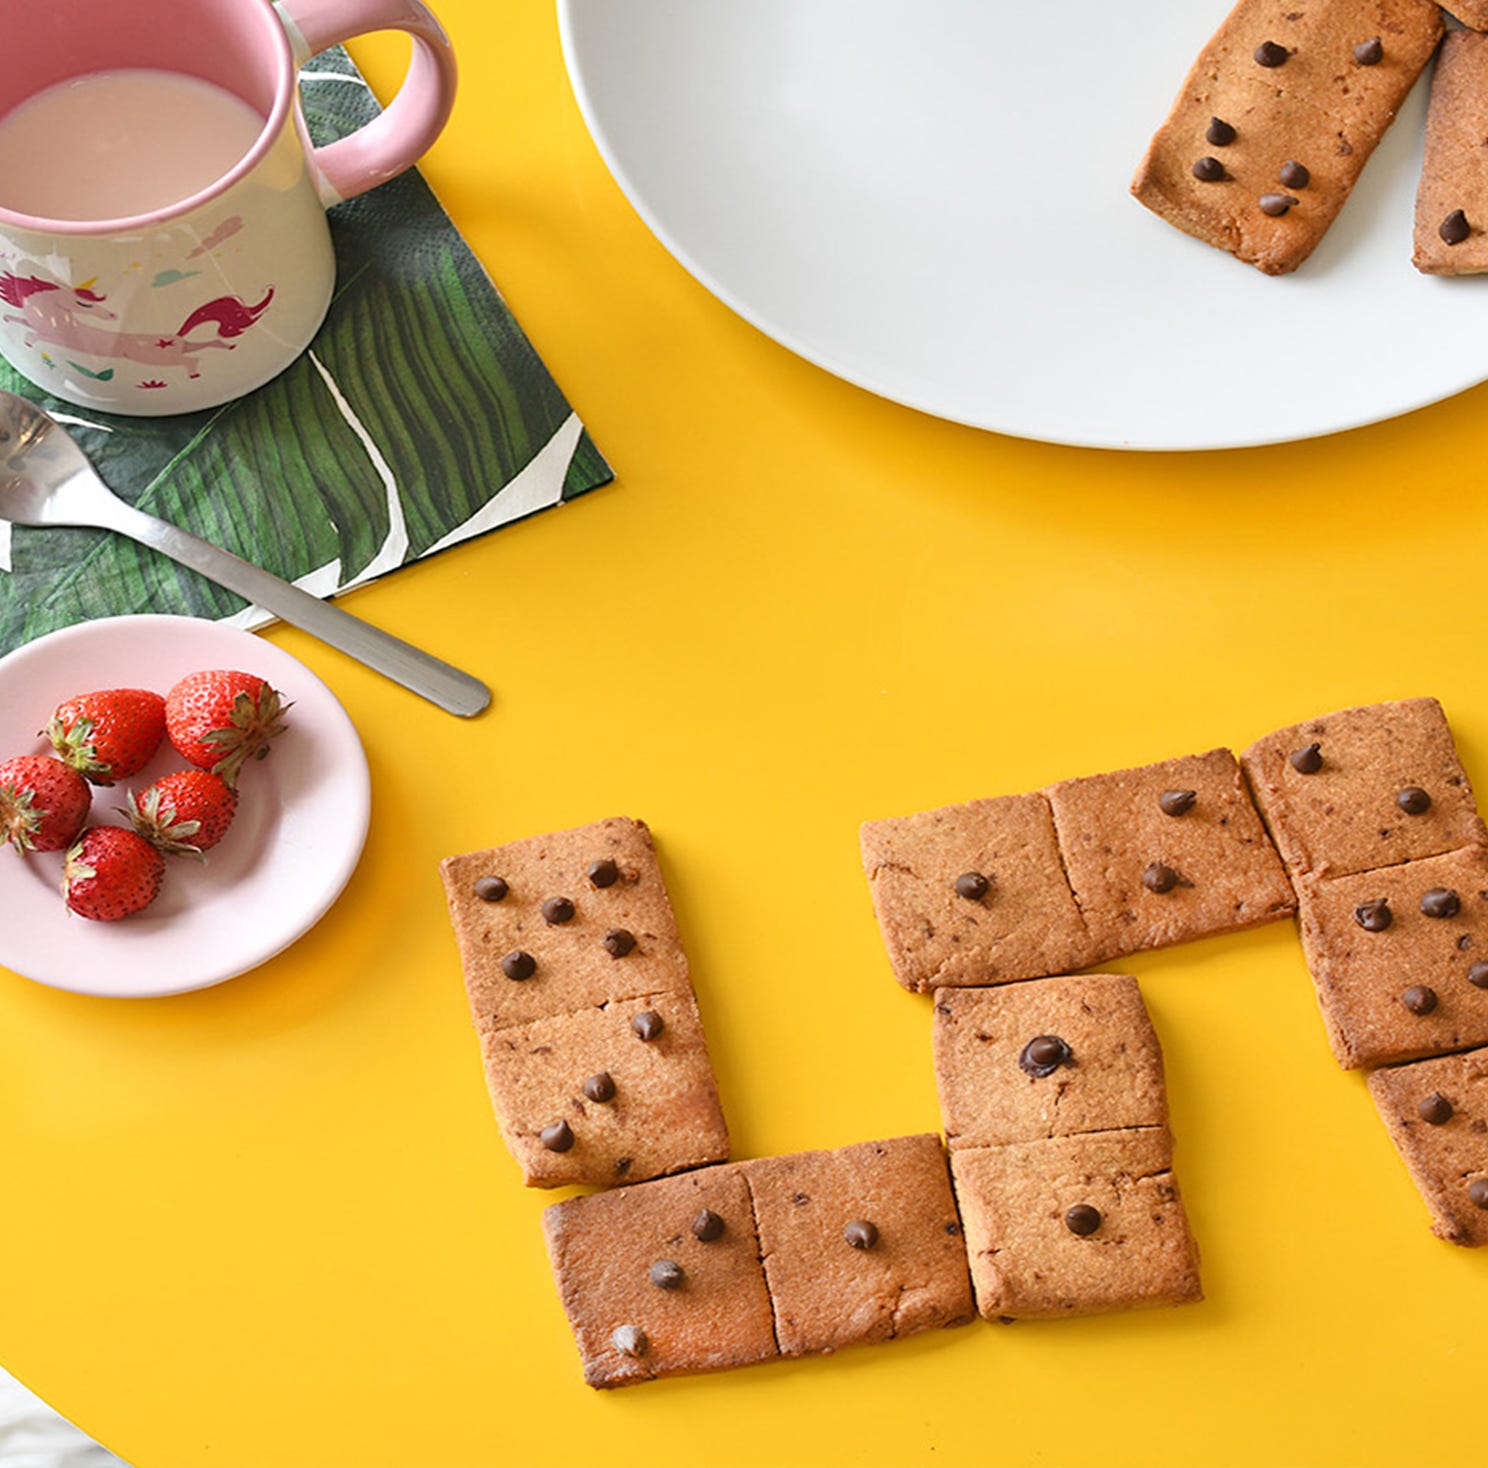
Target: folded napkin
(34, 1436)
(421, 416)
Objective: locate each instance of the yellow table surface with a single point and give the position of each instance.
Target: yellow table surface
(272, 1223)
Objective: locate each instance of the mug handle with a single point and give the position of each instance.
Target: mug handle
(402, 134)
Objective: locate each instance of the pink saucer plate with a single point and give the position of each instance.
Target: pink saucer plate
(298, 834)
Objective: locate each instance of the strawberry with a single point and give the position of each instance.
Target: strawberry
(109, 735)
(43, 803)
(219, 720)
(110, 873)
(184, 813)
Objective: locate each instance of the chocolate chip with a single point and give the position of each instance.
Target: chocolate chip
(1177, 802)
(1307, 761)
(603, 873)
(1276, 204)
(1219, 132)
(630, 1340)
(1435, 1110)
(558, 1137)
(618, 942)
(860, 1234)
(557, 910)
(972, 885)
(1413, 801)
(666, 1274)
(1043, 1055)
(1419, 999)
(600, 1087)
(707, 1227)
(1477, 975)
(1294, 175)
(1477, 1192)
(518, 965)
(1268, 53)
(1454, 228)
(1374, 917)
(1441, 902)
(1158, 878)
(491, 889)
(1082, 1219)
(1208, 170)
(1370, 52)
(648, 1024)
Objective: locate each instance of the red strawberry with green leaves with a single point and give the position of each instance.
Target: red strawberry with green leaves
(111, 873)
(219, 720)
(108, 735)
(184, 813)
(43, 803)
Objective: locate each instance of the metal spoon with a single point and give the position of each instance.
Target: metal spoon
(46, 479)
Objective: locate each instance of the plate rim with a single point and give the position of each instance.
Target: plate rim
(357, 826)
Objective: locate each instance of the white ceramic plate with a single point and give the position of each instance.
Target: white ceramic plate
(301, 821)
(929, 198)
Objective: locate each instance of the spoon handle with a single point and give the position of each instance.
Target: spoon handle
(416, 670)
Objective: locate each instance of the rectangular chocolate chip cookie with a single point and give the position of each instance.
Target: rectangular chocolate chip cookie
(1452, 198)
(1436, 1112)
(1075, 1225)
(1473, 13)
(610, 1095)
(1049, 1058)
(1277, 118)
(1365, 787)
(974, 894)
(1399, 957)
(1168, 852)
(564, 921)
(861, 1244)
(594, 1053)
(663, 1279)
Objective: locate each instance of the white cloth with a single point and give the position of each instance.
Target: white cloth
(34, 1436)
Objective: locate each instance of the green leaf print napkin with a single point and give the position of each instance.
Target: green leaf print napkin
(420, 416)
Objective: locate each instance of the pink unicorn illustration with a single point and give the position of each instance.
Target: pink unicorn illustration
(72, 317)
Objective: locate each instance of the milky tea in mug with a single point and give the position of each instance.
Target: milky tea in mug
(163, 242)
(133, 140)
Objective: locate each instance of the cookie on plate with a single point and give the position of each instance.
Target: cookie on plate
(1277, 118)
(1451, 235)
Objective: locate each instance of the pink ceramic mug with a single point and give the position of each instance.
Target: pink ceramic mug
(190, 303)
